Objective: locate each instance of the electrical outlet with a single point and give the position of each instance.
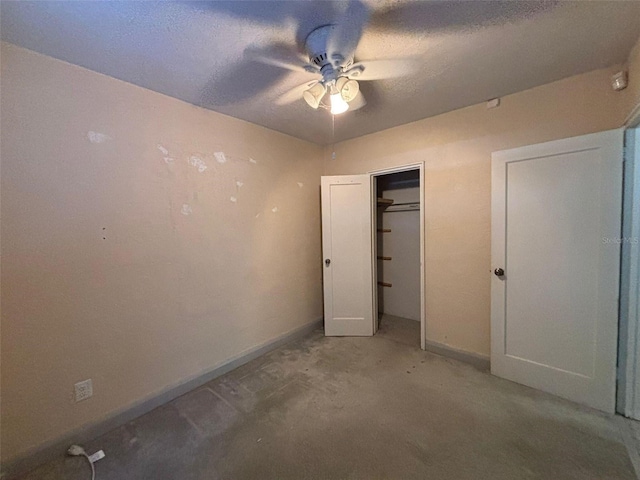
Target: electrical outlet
(83, 390)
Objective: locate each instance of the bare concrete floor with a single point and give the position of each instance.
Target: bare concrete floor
(358, 408)
(398, 329)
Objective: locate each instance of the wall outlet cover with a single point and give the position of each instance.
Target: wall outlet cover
(83, 390)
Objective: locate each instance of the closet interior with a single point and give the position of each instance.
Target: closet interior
(398, 254)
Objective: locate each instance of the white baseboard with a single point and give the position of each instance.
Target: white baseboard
(481, 362)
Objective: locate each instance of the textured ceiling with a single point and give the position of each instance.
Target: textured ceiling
(468, 51)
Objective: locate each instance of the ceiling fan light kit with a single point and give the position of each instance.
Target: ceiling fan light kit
(348, 88)
(330, 53)
(341, 93)
(313, 96)
(338, 104)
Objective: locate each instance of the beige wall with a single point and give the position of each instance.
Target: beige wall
(456, 148)
(164, 296)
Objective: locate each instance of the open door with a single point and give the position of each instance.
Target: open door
(555, 252)
(347, 247)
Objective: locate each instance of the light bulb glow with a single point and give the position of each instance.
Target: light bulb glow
(338, 105)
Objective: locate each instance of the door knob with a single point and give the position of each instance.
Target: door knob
(498, 272)
(327, 262)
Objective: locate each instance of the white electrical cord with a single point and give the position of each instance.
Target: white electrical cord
(77, 451)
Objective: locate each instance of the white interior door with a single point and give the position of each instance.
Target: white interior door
(347, 248)
(556, 210)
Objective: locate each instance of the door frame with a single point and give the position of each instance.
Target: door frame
(628, 394)
(374, 237)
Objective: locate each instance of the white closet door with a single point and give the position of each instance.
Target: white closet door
(556, 210)
(348, 255)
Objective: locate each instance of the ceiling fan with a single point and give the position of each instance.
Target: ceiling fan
(330, 54)
(335, 28)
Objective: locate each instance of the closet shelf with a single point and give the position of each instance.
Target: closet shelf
(403, 207)
(384, 284)
(383, 258)
(384, 202)
(384, 230)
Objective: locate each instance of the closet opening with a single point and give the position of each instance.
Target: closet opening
(399, 255)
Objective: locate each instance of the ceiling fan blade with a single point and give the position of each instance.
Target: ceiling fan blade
(358, 102)
(295, 93)
(279, 55)
(381, 69)
(345, 36)
(241, 82)
(451, 17)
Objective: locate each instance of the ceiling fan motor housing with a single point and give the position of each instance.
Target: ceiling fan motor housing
(316, 46)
